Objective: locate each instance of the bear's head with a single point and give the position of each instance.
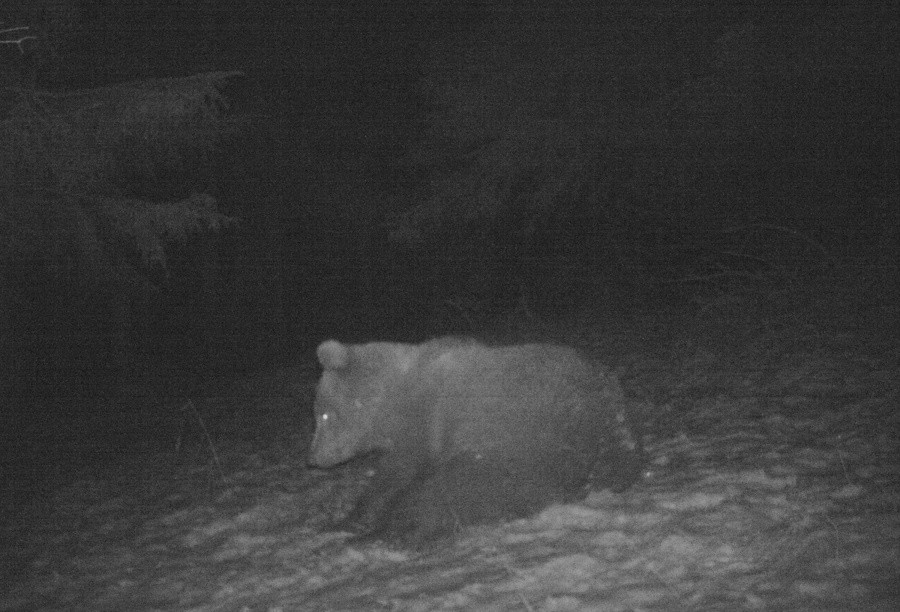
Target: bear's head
(357, 381)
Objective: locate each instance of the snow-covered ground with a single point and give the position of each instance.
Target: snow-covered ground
(773, 484)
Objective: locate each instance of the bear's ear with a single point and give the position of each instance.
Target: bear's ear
(333, 355)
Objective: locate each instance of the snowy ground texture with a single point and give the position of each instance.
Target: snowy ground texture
(773, 484)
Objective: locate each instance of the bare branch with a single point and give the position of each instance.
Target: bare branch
(16, 41)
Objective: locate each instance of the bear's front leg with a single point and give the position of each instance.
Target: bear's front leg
(396, 478)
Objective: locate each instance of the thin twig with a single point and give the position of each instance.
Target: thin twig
(209, 441)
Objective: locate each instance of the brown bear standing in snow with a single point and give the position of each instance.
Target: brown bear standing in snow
(468, 433)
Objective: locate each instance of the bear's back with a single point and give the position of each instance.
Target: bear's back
(510, 401)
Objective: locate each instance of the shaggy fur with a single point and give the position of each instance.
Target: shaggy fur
(468, 433)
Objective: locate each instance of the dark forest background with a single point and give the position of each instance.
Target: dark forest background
(202, 188)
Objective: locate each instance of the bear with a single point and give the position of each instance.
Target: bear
(466, 433)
